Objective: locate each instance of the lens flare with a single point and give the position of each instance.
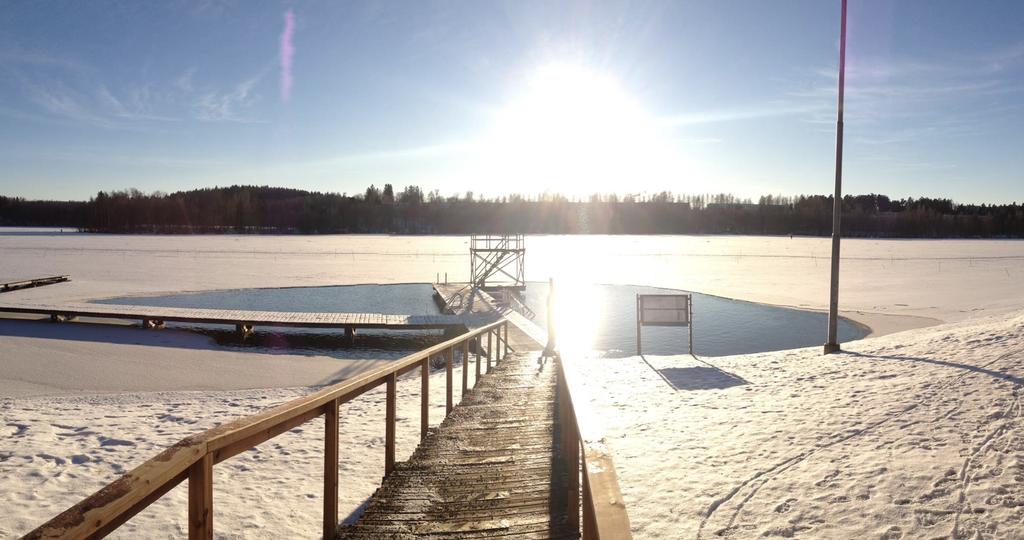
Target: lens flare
(287, 51)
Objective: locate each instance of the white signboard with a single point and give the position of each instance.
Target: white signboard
(664, 309)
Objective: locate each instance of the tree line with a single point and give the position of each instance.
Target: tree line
(262, 209)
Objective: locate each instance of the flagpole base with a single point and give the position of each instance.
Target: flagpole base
(831, 348)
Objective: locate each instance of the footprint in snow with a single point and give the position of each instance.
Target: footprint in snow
(108, 441)
(56, 460)
(827, 480)
(15, 430)
(892, 533)
(785, 506)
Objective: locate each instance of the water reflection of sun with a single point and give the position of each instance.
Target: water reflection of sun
(577, 310)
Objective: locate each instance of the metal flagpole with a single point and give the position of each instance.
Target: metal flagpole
(832, 345)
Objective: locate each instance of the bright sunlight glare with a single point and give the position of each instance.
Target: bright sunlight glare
(578, 307)
(574, 131)
(577, 312)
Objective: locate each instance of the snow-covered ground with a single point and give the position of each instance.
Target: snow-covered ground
(845, 445)
(913, 435)
(54, 451)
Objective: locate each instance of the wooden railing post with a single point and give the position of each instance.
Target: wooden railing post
(589, 519)
(448, 354)
(479, 355)
(389, 432)
(489, 334)
(424, 397)
(569, 445)
(507, 348)
(331, 469)
(200, 499)
(465, 368)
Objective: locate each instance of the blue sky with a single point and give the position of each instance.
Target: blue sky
(494, 97)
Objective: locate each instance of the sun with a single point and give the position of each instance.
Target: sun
(575, 131)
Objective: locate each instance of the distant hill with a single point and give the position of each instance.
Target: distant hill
(263, 209)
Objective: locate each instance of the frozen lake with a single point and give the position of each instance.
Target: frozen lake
(882, 281)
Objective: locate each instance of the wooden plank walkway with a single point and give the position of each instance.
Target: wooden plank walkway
(17, 284)
(241, 317)
(488, 471)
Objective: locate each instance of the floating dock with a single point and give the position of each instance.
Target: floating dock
(243, 320)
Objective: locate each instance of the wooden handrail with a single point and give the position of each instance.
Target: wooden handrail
(585, 457)
(193, 458)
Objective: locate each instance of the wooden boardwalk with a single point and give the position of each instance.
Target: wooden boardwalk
(488, 471)
(240, 317)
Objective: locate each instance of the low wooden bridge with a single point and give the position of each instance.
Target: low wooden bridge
(245, 320)
(518, 458)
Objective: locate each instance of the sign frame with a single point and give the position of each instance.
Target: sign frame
(663, 310)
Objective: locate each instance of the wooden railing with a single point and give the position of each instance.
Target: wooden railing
(193, 458)
(588, 462)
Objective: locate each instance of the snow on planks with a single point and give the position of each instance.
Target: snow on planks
(244, 317)
(488, 471)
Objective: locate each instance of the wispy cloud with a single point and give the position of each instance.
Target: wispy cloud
(61, 90)
(58, 90)
(1004, 59)
(212, 104)
(427, 151)
(138, 105)
(698, 140)
(229, 106)
(747, 113)
(209, 8)
(96, 105)
(64, 102)
(901, 86)
(287, 51)
(899, 101)
(13, 57)
(133, 160)
(184, 81)
(898, 110)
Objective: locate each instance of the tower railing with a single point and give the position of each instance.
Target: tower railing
(497, 256)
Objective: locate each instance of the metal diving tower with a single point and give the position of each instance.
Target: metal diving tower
(497, 260)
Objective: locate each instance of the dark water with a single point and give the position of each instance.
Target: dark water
(721, 326)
